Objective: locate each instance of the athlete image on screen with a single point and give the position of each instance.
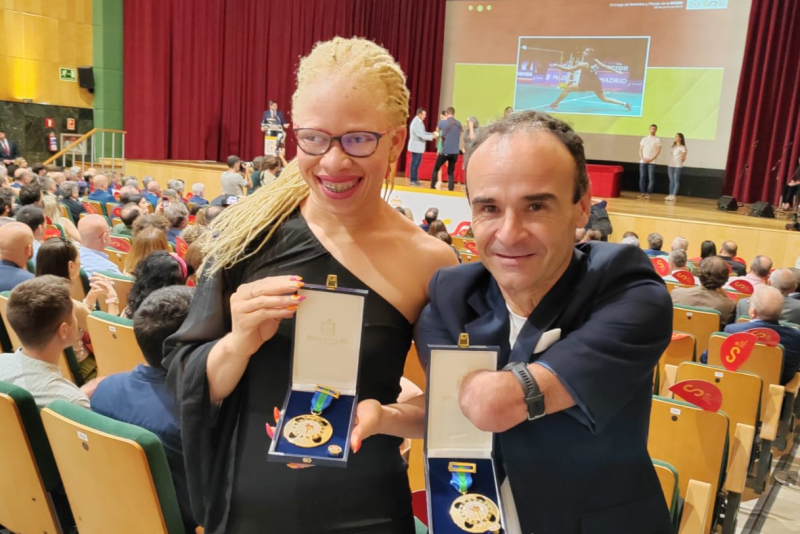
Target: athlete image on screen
(588, 81)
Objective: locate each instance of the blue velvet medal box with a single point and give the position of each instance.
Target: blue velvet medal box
(325, 352)
(452, 438)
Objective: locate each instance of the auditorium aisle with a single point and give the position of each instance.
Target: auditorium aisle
(777, 511)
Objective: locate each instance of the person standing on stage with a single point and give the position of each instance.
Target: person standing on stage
(451, 132)
(273, 116)
(676, 165)
(649, 149)
(790, 189)
(417, 137)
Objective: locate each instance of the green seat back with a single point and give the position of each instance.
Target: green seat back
(99, 497)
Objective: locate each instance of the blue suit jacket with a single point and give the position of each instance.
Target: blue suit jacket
(267, 114)
(790, 339)
(584, 470)
(11, 275)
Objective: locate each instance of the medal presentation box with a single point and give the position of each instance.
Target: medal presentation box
(325, 363)
(462, 488)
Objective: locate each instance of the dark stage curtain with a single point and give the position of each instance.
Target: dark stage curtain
(765, 139)
(199, 74)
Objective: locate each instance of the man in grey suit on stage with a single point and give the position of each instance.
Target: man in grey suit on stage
(416, 143)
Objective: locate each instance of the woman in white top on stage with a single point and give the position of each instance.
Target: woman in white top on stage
(676, 165)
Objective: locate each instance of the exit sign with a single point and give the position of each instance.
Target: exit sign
(68, 75)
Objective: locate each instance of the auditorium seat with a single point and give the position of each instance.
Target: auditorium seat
(80, 287)
(469, 258)
(93, 206)
(766, 362)
(115, 221)
(741, 402)
(115, 475)
(66, 213)
(465, 244)
(681, 348)
(28, 467)
(113, 209)
(668, 477)
(122, 285)
(119, 242)
(114, 344)
(117, 257)
(700, 322)
(695, 442)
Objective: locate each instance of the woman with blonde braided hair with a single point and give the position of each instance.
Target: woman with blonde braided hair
(229, 363)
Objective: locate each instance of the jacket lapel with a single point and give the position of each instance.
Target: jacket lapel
(549, 310)
(491, 327)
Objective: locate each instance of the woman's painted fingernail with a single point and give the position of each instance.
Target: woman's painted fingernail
(298, 298)
(358, 446)
(270, 431)
(292, 308)
(296, 278)
(276, 413)
(298, 285)
(294, 466)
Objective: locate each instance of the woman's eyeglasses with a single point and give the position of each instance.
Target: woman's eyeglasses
(355, 144)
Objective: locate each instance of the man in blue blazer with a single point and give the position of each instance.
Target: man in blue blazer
(273, 116)
(766, 305)
(580, 330)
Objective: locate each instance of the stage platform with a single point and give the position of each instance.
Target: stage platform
(696, 219)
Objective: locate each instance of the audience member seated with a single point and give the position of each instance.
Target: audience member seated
(444, 236)
(59, 257)
(21, 177)
(178, 186)
(159, 269)
(94, 238)
(52, 210)
(796, 272)
(8, 205)
(69, 197)
(198, 195)
(654, 243)
(431, 215)
(630, 240)
(759, 270)
(33, 216)
(707, 248)
(127, 192)
(178, 217)
(16, 248)
(765, 311)
(100, 193)
(146, 241)
(785, 282)
(680, 243)
(140, 397)
(150, 220)
(436, 227)
(42, 315)
(677, 262)
(727, 253)
(713, 273)
(194, 259)
(128, 214)
(270, 169)
(193, 232)
(30, 195)
(211, 213)
(153, 194)
(48, 185)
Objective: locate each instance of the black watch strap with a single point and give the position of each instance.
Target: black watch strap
(534, 398)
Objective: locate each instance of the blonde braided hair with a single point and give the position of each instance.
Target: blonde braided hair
(265, 210)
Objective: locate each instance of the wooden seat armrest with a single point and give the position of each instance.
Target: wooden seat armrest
(794, 385)
(695, 507)
(740, 458)
(668, 380)
(772, 412)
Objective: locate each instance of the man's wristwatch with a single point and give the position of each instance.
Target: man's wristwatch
(534, 398)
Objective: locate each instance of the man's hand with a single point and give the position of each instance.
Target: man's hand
(493, 400)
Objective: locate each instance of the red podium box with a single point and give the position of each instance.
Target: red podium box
(426, 167)
(606, 180)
